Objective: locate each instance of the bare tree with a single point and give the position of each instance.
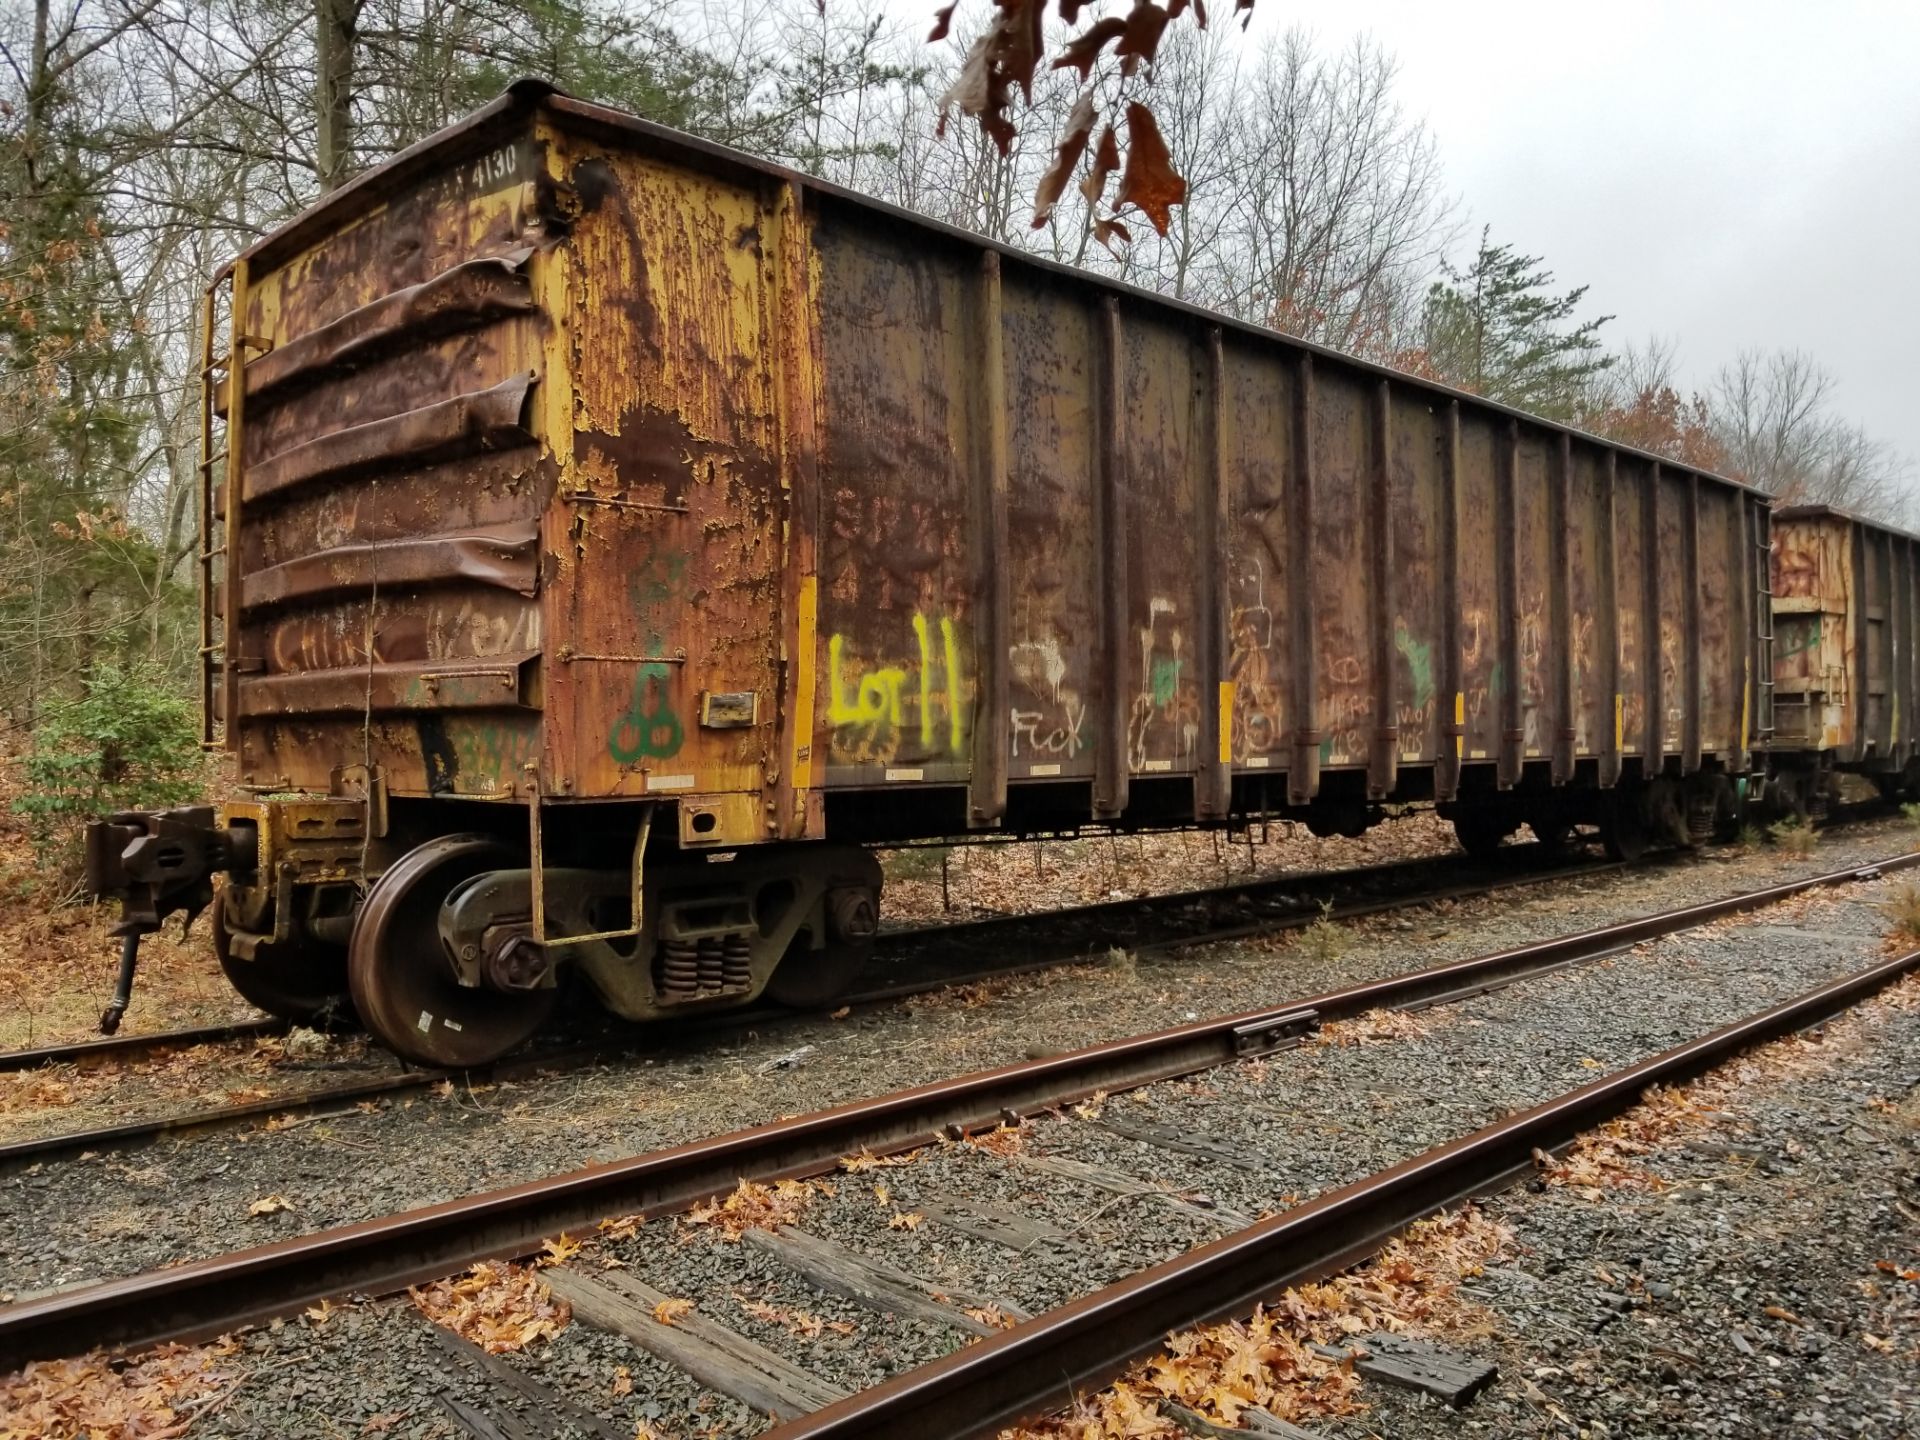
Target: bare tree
(1773, 413)
(1339, 217)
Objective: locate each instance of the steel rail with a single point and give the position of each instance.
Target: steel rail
(121, 1045)
(932, 975)
(1044, 1363)
(202, 1298)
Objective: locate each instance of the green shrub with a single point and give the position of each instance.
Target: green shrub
(1912, 812)
(128, 742)
(1325, 940)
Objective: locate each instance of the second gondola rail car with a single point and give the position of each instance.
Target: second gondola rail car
(1846, 600)
(610, 520)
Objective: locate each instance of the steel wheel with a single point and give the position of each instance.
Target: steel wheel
(402, 979)
(1480, 835)
(297, 979)
(806, 978)
(1622, 830)
(1553, 835)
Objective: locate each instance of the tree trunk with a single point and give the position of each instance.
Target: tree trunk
(335, 25)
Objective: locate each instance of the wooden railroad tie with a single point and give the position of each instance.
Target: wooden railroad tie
(1415, 1365)
(712, 1354)
(877, 1285)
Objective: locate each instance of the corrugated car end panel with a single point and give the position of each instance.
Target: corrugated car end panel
(666, 560)
(390, 488)
(1812, 609)
(1876, 642)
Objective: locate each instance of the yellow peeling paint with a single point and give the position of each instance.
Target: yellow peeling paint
(1226, 722)
(804, 645)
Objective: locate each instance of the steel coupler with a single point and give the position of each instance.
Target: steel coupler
(155, 862)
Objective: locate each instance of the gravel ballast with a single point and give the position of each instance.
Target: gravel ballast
(189, 1196)
(1763, 1286)
(1302, 1121)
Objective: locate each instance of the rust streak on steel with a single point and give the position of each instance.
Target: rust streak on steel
(1607, 620)
(206, 1297)
(1513, 732)
(1213, 785)
(1655, 742)
(1693, 606)
(987, 797)
(1449, 601)
(1560, 531)
(1110, 786)
(1303, 763)
(1383, 757)
(1047, 1361)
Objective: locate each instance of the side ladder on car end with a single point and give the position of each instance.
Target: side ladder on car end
(219, 447)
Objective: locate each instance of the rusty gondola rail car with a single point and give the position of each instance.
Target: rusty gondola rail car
(578, 491)
(1846, 685)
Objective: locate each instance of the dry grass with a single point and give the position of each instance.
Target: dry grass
(1797, 837)
(1902, 910)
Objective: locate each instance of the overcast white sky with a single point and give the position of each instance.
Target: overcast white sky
(1726, 175)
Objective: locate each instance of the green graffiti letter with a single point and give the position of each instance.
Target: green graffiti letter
(649, 727)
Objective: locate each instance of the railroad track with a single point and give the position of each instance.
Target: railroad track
(138, 1047)
(909, 962)
(1264, 903)
(199, 1299)
(1047, 1362)
(1230, 911)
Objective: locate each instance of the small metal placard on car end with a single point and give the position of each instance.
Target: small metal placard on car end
(729, 709)
(1260, 1037)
